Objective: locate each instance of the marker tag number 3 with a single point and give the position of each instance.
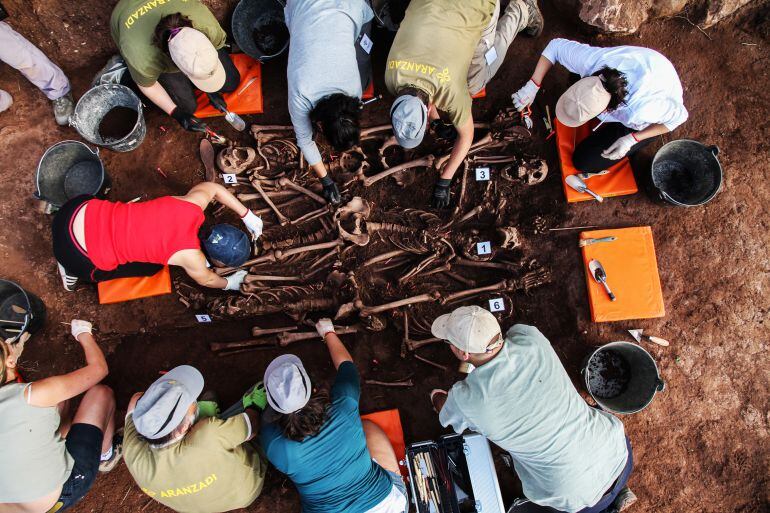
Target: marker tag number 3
(496, 305)
(482, 174)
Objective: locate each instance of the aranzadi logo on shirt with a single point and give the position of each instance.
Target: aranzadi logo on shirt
(145, 8)
(424, 69)
(190, 489)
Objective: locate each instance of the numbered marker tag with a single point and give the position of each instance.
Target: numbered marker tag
(366, 43)
(491, 56)
(484, 248)
(496, 305)
(229, 178)
(203, 318)
(482, 174)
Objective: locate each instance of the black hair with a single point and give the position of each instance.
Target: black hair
(414, 91)
(616, 84)
(340, 119)
(307, 421)
(166, 25)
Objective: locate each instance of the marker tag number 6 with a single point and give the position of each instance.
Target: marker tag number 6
(496, 305)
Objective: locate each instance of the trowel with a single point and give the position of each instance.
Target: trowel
(638, 335)
(597, 271)
(234, 119)
(579, 185)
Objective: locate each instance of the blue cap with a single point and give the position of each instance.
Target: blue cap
(228, 245)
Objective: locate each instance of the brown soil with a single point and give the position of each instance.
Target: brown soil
(701, 446)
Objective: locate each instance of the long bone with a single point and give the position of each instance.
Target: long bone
(366, 311)
(426, 161)
(284, 339)
(275, 255)
(479, 145)
(390, 384)
(281, 218)
(368, 133)
(285, 182)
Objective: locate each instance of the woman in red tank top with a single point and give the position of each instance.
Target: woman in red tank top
(97, 240)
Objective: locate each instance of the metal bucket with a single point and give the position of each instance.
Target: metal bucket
(687, 173)
(622, 377)
(254, 16)
(20, 311)
(69, 169)
(96, 103)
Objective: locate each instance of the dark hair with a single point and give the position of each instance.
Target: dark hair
(166, 25)
(340, 118)
(414, 91)
(309, 420)
(616, 84)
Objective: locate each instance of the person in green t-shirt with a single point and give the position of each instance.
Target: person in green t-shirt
(445, 51)
(187, 463)
(169, 47)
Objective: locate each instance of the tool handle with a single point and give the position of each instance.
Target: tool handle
(595, 196)
(609, 292)
(657, 340)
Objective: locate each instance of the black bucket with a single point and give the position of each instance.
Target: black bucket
(687, 173)
(622, 377)
(20, 311)
(259, 28)
(69, 169)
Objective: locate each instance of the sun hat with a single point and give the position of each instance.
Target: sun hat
(287, 384)
(409, 117)
(584, 100)
(164, 405)
(196, 57)
(470, 329)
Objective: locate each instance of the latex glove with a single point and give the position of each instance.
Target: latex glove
(79, 327)
(525, 96)
(257, 396)
(441, 193)
(331, 192)
(324, 326)
(217, 101)
(188, 121)
(235, 280)
(620, 148)
(253, 223)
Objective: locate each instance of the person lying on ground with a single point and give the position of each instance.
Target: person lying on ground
(97, 240)
(170, 48)
(519, 396)
(338, 463)
(186, 460)
(50, 457)
(19, 53)
(635, 93)
(444, 52)
(328, 71)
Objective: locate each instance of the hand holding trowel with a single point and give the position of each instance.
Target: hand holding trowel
(234, 119)
(638, 334)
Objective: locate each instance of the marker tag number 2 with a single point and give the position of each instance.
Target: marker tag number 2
(366, 44)
(203, 318)
(484, 248)
(496, 305)
(482, 174)
(229, 178)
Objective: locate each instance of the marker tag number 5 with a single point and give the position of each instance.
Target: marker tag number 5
(203, 318)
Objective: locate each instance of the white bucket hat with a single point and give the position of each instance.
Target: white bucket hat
(287, 384)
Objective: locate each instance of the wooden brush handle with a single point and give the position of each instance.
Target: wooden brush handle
(657, 340)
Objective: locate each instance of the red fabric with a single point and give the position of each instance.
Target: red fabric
(151, 231)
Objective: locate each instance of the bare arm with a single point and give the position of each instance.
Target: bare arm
(460, 150)
(193, 261)
(159, 96)
(51, 391)
(337, 349)
(651, 131)
(320, 169)
(203, 193)
(132, 403)
(254, 421)
(541, 70)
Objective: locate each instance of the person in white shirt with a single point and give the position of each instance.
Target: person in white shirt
(635, 93)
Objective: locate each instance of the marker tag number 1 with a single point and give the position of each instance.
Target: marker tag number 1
(203, 318)
(229, 178)
(482, 174)
(366, 44)
(484, 248)
(496, 305)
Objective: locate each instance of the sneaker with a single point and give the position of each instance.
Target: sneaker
(624, 500)
(69, 282)
(536, 22)
(63, 108)
(117, 453)
(111, 73)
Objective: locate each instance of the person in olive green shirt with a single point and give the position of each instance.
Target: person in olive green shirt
(168, 47)
(445, 51)
(187, 463)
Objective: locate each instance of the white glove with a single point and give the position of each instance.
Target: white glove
(253, 223)
(235, 280)
(324, 326)
(620, 148)
(79, 327)
(525, 96)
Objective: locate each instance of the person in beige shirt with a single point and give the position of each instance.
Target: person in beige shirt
(444, 52)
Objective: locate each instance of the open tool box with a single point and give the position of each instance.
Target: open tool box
(454, 474)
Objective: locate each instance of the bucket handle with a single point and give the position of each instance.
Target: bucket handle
(666, 197)
(660, 386)
(714, 149)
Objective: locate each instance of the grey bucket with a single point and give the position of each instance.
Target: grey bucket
(69, 169)
(19, 310)
(631, 388)
(687, 173)
(249, 16)
(96, 103)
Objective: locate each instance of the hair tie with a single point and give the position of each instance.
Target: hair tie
(173, 32)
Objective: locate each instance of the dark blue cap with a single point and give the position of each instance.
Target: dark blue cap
(228, 245)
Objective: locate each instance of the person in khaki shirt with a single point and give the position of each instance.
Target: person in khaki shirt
(445, 51)
(187, 463)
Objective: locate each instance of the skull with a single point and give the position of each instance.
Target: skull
(236, 160)
(533, 172)
(509, 237)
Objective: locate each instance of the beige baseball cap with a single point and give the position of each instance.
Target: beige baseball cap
(471, 329)
(586, 99)
(197, 58)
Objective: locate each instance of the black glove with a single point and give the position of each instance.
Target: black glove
(443, 130)
(217, 101)
(331, 192)
(441, 193)
(188, 121)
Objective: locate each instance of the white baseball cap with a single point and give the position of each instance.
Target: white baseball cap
(470, 329)
(583, 101)
(287, 384)
(409, 117)
(196, 57)
(164, 405)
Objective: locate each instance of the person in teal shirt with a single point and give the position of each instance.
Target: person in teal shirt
(338, 463)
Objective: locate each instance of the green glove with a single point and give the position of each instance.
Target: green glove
(257, 397)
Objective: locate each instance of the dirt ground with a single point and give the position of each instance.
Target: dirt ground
(703, 445)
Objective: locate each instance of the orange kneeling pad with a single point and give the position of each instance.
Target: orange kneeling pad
(127, 289)
(480, 94)
(390, 422)
(369, 93)
(247, 99)
(619, 182)
(632, 274)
